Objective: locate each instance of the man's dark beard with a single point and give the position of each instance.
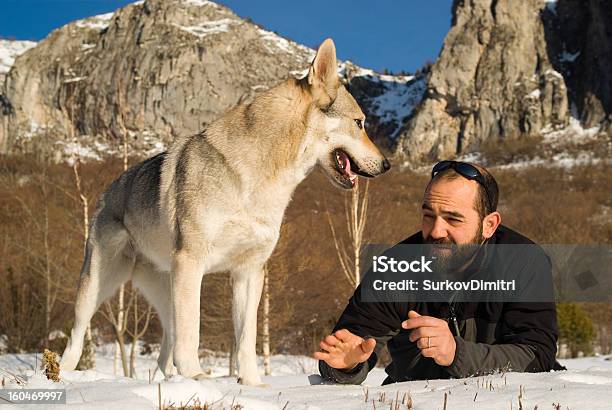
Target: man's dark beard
(456, 257)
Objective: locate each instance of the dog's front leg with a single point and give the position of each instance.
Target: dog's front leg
(187, 272)
(248, 284)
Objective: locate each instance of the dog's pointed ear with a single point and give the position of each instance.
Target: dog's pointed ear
(323, 75)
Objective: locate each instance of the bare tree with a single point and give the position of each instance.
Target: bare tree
(121, 300)
(50, 295)
(137, 330)
(119, 323)
(356, 215)
(87, 360)
(265, 332)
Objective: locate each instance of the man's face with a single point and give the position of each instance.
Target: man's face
(450, 218)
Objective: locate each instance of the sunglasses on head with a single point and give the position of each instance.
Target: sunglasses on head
(466, 170)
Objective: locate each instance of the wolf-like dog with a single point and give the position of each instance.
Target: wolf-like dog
(215, 202)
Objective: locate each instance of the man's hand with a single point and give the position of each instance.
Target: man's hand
(432, 336)
(344, 350)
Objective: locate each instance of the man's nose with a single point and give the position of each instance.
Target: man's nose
(439, 229)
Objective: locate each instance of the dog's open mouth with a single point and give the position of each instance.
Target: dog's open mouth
(346, 167)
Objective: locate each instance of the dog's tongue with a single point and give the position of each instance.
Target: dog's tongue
(346, 164)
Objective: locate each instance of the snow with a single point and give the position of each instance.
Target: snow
(273, 42)
(96, 148)
(554, 73)
(9, 50)
(199, 3)
(567, 57)
(535, 94)
(35, 128)
(566, 148)
(551, 5)
(398, 101)
(208, 27)
(400, 95)
(295, 384)
(72, 150)
(99, 22)
(565, 160)
(573, 131)
(74, 80)
(374, 76)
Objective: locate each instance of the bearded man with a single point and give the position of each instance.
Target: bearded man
(438, 340)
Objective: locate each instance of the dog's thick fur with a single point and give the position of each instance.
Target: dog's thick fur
(214, 202)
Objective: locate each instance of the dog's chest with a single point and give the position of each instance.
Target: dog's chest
(245, 237)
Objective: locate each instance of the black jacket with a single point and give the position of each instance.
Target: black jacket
(492, 336)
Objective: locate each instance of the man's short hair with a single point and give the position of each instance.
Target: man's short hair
(481, 204)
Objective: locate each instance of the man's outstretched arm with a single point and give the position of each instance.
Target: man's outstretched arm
(344, 357)
(357, 339)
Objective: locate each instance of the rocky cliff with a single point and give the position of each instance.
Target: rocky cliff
(163, 68)
(512, 69)
(159, 69)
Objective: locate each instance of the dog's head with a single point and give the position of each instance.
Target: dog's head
(339, 124)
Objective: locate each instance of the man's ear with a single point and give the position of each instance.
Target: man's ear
(490, 224)
(323, 74)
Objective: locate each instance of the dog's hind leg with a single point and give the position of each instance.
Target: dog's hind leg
(248, 283)
(156, 287)
(107, 265)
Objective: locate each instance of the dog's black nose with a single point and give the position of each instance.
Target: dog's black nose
(386, 165)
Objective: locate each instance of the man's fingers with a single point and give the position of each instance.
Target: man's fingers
(429, 352)
(411, 315)
(321, 356)
(426, 343)
(326, 347)
(344, 335)
(368, 345)
(331, 340)
(423, 332)
(422, 321)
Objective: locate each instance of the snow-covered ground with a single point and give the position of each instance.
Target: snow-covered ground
(295, 384)
(9, 50)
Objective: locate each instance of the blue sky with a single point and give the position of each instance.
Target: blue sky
(393, 34)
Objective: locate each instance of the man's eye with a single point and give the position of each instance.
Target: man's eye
(359, 123)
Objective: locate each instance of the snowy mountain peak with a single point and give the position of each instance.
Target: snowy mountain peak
(9, 50)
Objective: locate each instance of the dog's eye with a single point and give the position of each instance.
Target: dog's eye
(359, 123)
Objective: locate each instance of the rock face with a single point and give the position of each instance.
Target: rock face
(579, 40)
(499, 75)
(163, 68)
(160, 69)
(9, 50)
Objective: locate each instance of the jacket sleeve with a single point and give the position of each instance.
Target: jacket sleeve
(379, 320)
(528, 343)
